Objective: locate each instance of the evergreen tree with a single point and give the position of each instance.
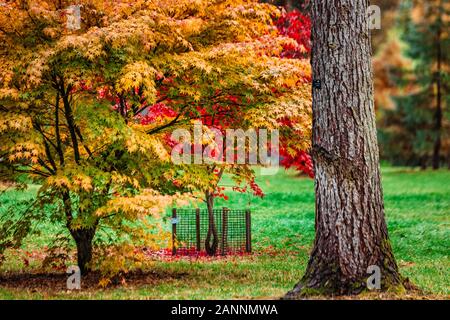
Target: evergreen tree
(420, 121)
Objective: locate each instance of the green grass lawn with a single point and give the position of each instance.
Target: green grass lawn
(418, 213)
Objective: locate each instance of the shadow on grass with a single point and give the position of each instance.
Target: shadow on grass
(53, 282)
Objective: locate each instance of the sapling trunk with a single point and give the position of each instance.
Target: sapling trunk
(212, 238)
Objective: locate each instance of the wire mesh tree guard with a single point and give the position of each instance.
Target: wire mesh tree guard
(190, 228)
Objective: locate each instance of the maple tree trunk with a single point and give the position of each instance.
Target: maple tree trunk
(351, 232)
(212, 238)
(83, 236)
(83, 239)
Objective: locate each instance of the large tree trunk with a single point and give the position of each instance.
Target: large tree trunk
(351, 232)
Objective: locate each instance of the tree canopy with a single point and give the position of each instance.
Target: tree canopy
(87, 113)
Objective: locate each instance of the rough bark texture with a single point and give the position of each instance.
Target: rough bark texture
(351, 231)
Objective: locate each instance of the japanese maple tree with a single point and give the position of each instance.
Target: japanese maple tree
(86, 113)
(297, 26)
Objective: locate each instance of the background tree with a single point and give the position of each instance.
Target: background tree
(351, 232)
(228, 112)
(398, 127)
(389, 10)
(421, 118)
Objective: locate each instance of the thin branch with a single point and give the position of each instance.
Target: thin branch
(57, 133)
